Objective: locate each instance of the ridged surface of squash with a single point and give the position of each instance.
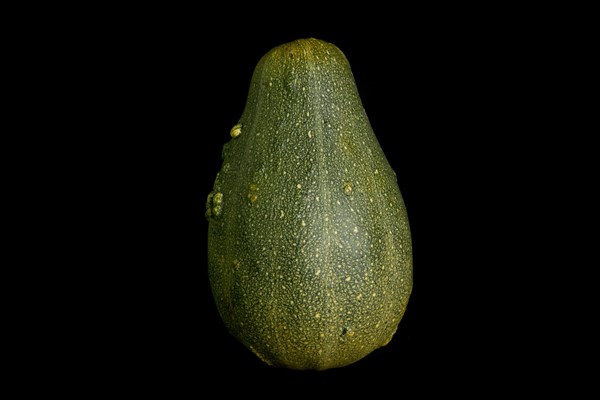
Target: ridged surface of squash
(310, 255)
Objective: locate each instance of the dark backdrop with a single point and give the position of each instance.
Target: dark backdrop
(166, 93)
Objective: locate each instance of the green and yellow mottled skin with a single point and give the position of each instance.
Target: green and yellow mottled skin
(309, 247)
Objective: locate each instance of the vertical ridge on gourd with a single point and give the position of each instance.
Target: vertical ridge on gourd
(309, 247)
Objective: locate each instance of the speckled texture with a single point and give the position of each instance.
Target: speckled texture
(310, 256)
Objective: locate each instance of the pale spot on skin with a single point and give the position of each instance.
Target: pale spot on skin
(347, 188)
(215, 203)
(252, 192)
(236, 131)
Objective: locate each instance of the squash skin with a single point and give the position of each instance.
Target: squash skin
(309, 245)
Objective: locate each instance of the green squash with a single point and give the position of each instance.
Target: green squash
(309, 247)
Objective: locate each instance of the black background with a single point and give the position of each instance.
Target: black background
(159, 94)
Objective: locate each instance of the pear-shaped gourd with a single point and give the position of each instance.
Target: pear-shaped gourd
(309, 247)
